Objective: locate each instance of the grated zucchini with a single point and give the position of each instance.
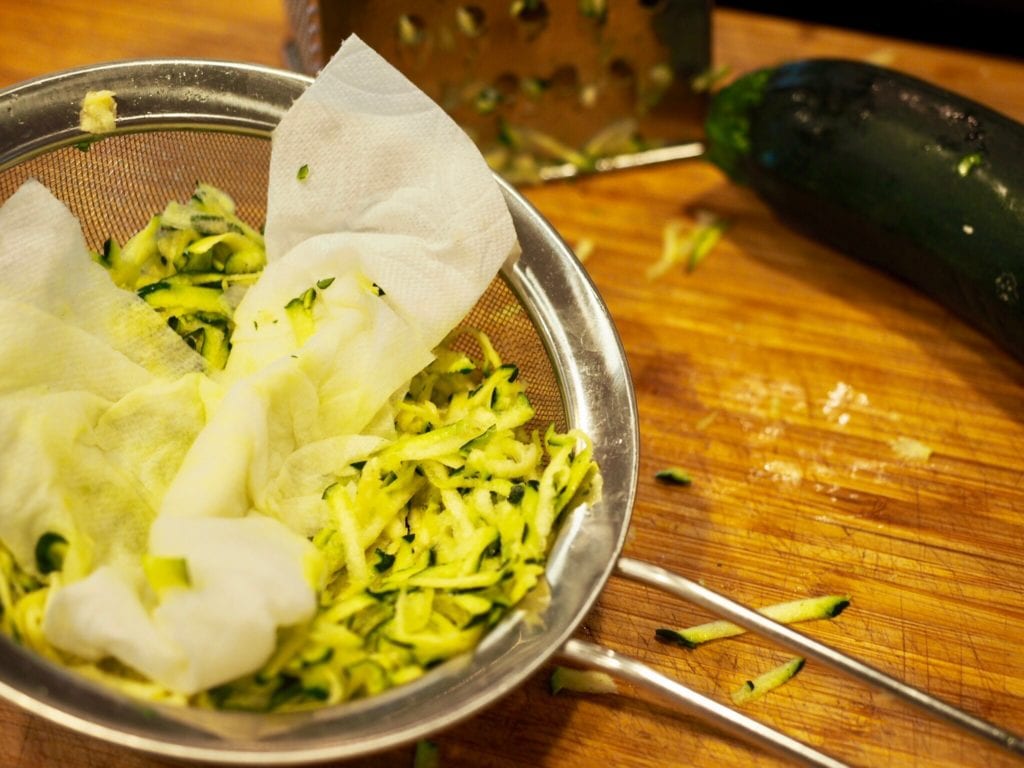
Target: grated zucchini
(435, 537)
(769, 681)
(688, 243)
(182, 262)
(50, 550)
(98, 113)
(581, 681)
(426, 755)
(673, 476)
(165, 573)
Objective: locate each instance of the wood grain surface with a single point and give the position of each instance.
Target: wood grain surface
(778, 374)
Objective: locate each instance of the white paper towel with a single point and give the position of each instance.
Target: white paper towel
(392, 176)
(397, 196)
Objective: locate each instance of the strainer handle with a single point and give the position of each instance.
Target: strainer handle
(729, 720)
(745, 617)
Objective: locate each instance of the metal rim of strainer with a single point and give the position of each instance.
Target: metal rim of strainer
(586, 354)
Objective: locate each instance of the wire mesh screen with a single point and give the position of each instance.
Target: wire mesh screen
(116, 185)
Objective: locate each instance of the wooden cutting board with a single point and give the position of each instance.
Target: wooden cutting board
(779, 374)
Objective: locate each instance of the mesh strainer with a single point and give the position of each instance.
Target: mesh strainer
(182, 121)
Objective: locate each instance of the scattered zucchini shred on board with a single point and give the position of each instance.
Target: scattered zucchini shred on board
(688, 244)
(426, 755)
(583, 249)
(708, 79)
(460, 510)
(790, 612)
(754, 689)
(673, 476)
(185, 262)
(910, 449)
(581, 681)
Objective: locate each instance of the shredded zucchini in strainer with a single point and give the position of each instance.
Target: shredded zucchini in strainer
(434, 539)
(431, 540)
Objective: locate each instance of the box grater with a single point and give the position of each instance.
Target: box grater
(547, 89)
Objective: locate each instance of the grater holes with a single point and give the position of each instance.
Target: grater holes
(621, 70)
(471, 20)
(411, 29)
(565, 78)
(534, 12)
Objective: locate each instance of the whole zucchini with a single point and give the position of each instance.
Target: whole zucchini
(900, 173)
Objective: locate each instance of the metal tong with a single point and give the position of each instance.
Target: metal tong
(742, 726)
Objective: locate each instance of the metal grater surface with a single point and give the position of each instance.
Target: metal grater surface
(546, 89)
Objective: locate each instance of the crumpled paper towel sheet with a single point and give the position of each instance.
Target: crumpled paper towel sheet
(396, 196)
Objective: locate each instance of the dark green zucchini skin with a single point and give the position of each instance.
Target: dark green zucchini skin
(872, 162)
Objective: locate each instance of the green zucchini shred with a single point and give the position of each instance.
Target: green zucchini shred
(673, 476)
(164, 573)
(595, 10)
(426, 755)
(300, 314)
(542, 145)
(183, 260)
(769, 681)
(23, 595)
(50, 551)
(689, 244)
(706, 80)
(581, 681)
